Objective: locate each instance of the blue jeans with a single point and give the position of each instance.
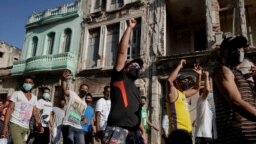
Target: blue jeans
(75, 136)
(57, 138)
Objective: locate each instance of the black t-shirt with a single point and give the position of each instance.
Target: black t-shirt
(125, 102)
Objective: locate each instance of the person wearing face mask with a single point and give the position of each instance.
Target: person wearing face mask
(22, 105)
(179, 88)
(45, 110)
(72, 130)
(89, 116)
(124, 118)
(233, 96)
(58, 116)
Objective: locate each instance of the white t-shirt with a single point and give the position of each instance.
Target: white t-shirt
(75, 109)
(59, 115)
(46, 109)
(203, 119)
(23, 108)
(103, 106)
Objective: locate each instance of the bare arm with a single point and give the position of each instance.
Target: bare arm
(97, 121)
(64, 83)
(206, 86)
(227, 86)
(8, 117)
(152, 125)
(51, 120)
(172, 93)
(123, 45)
(36, 114)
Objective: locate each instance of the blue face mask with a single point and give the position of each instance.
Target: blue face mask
(46, 96)
(27, 86)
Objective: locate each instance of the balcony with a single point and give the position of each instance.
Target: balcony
(45, 63)
(65, 11)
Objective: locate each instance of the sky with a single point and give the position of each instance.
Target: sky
(14, 16)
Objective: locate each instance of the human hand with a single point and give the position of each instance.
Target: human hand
(39, 128)
(206, 73)
(132, 23)
(66, 74)
(5, 131)
(145, 138)
(197, 69)
(182, 62)
(253, 70)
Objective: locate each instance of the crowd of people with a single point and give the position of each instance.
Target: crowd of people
(121, 117)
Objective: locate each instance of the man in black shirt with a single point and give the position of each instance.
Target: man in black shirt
(124, 118)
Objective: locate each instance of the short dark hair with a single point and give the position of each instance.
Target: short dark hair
(89, 94)
(106, 87)
(63, 99)
(143, 97)
(29, 77)
(83, 85)
(46, 88)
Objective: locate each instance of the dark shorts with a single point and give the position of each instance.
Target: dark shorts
(203, 140)
(88, 137)
(42, 138)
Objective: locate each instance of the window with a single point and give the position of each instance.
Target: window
(51, 37)
(1, 54)
(114, 4)
(34, 45)
(98, 6)
(134, 49)
(67, 39)
(200, 41)
(93, 48)
(112, 44)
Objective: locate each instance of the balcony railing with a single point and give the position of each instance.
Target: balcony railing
(45, 63)
(65, 9)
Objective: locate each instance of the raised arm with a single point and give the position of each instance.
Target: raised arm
(123, 45)
(224, 79)
(172, 92)
(64, 84)
(206, 85)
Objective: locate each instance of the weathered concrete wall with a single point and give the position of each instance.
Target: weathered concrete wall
(10, 54)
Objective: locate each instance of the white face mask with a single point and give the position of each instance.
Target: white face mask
(46, 96)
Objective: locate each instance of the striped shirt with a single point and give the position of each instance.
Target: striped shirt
(231, 126)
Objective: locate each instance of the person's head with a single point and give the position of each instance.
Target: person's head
(88, 98)
(62, 103)
(132, 68)
(46, 94)
(83, 90)
(179, 136)
(143, 100)
(28, 84)
(183, 82)
(232, 50)
(106, 92)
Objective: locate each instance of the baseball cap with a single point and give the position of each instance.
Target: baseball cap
(182, 77)
(131, 60)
